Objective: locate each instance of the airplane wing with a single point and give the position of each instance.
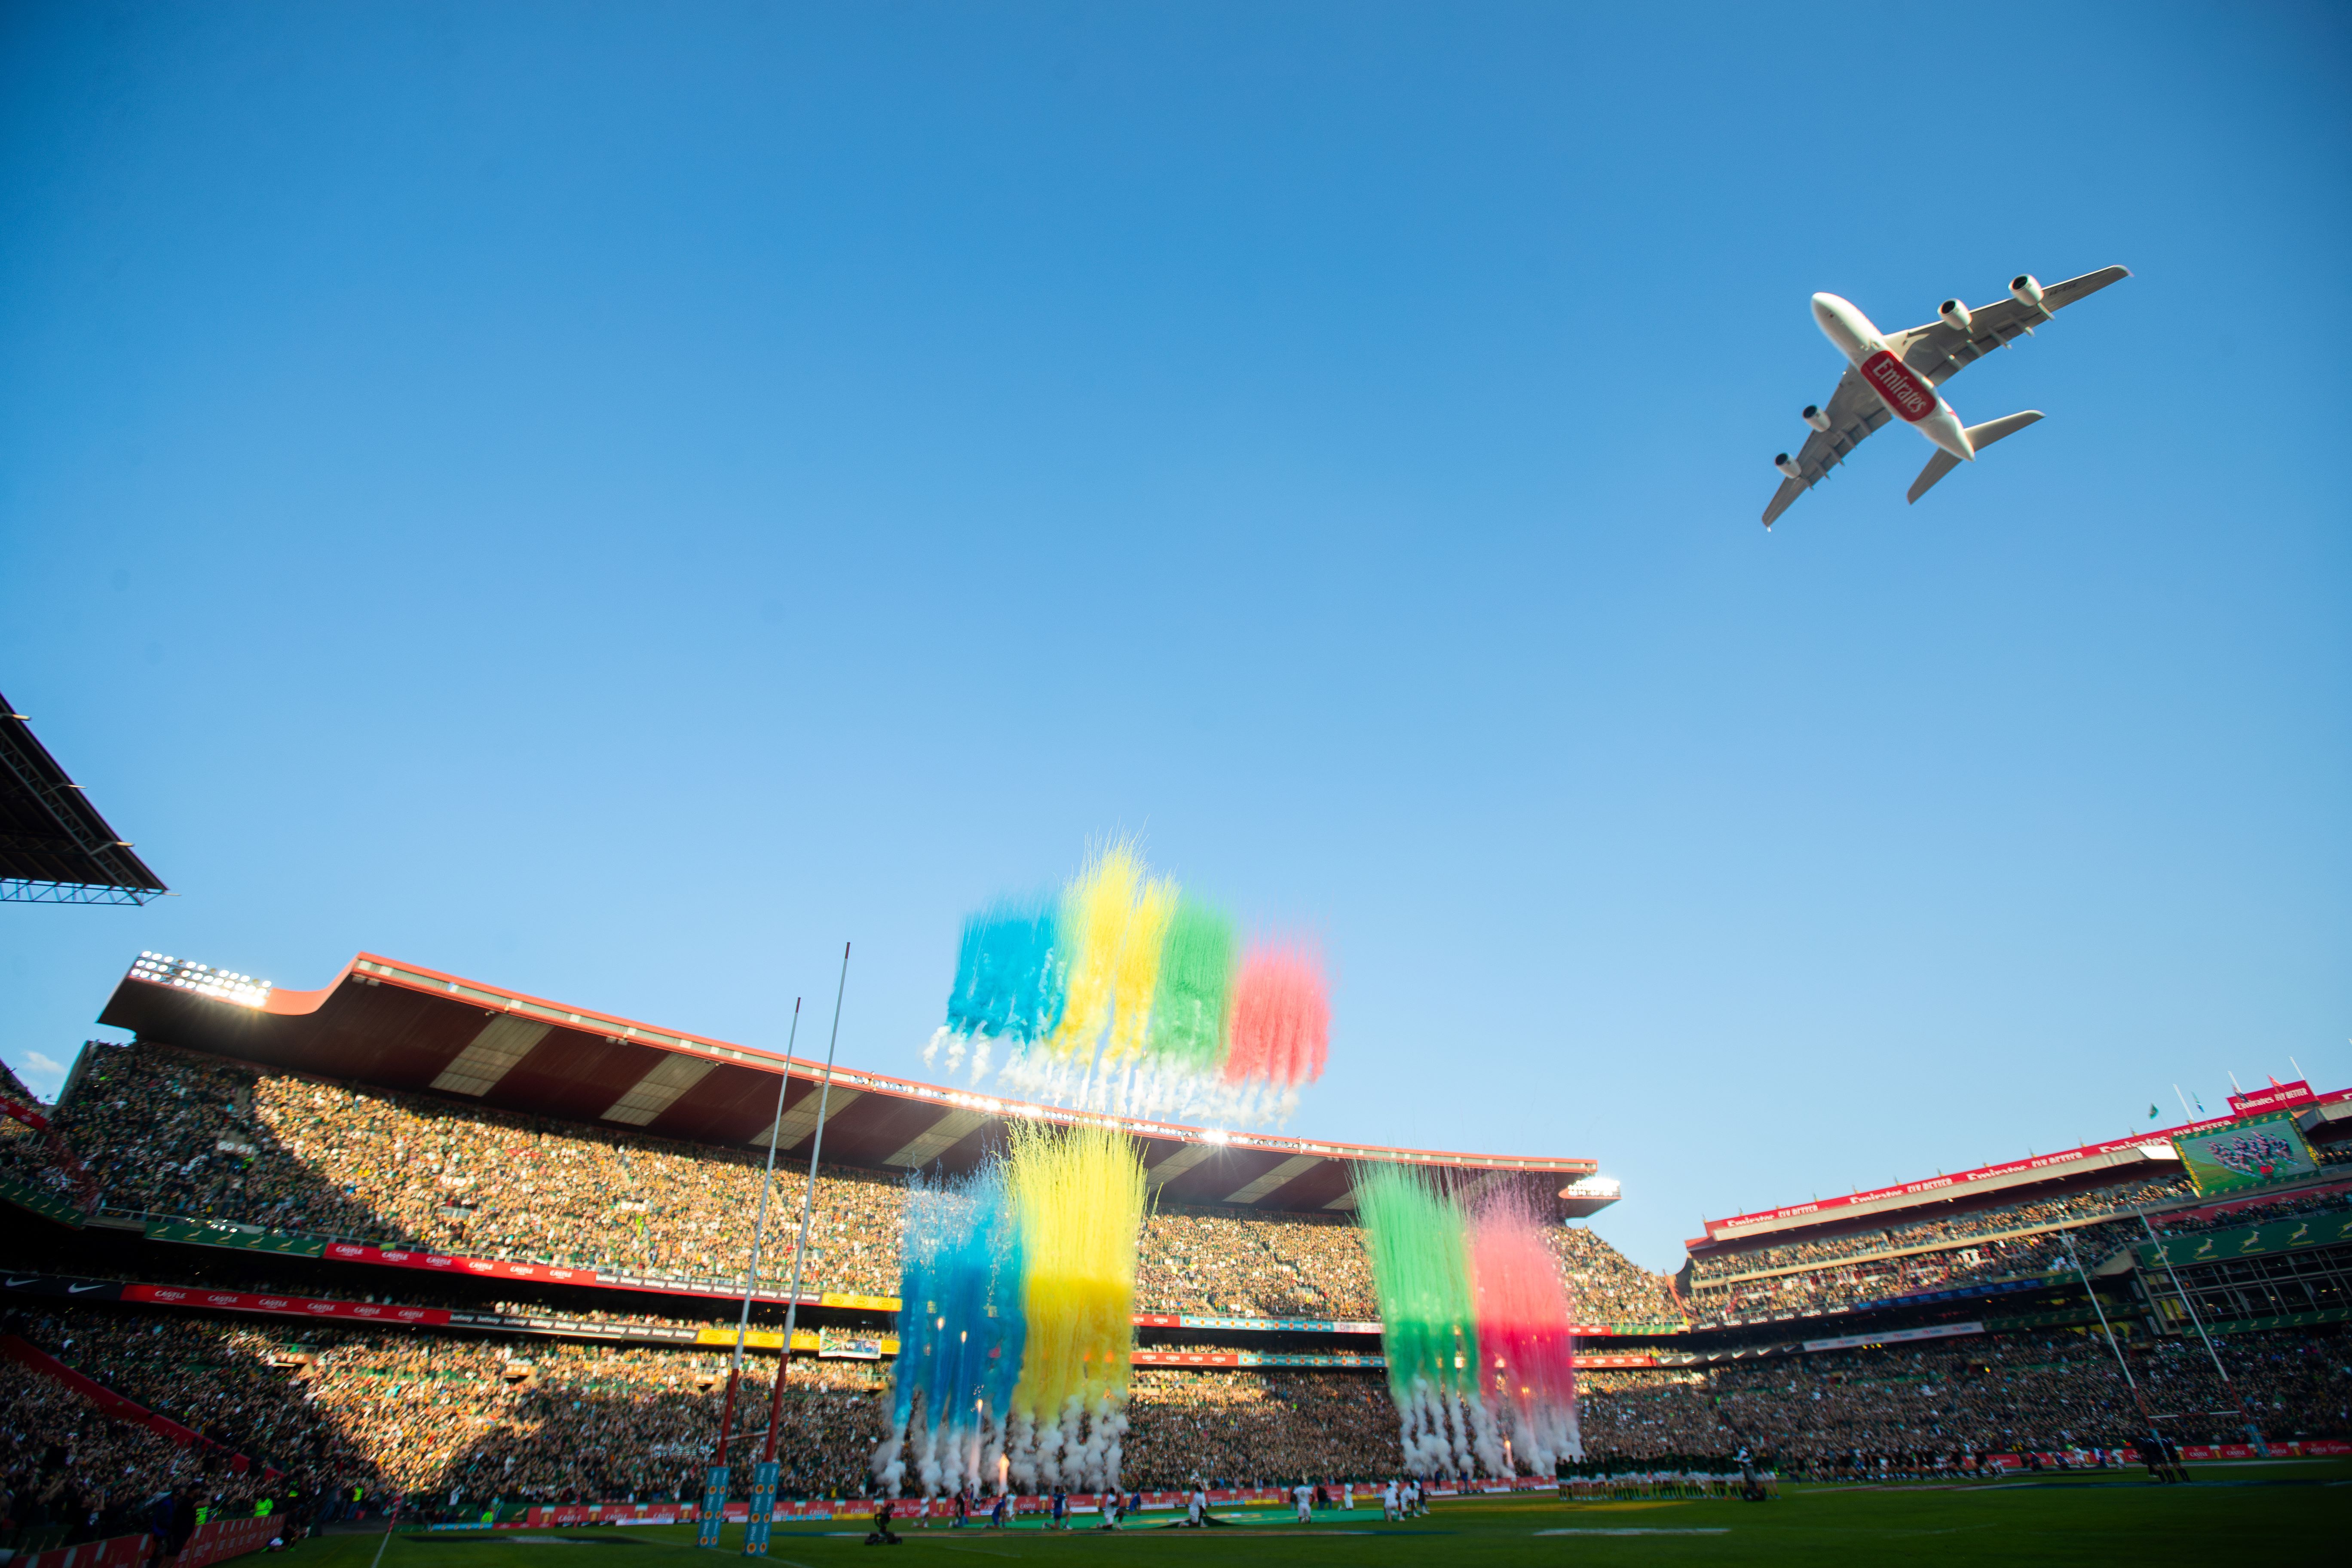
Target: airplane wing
(1938, 350)
(1854, 411)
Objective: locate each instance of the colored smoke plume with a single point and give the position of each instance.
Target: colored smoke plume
(1527, 1345)
(961, 1329)
(1127, 994)
(1475, 1325)
(1016, 1306)
(1282, 1019)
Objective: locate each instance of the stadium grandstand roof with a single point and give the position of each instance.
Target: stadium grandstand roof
(54, 849)
(399, 1027)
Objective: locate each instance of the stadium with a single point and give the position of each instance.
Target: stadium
(417, 1241)
(1215, 549)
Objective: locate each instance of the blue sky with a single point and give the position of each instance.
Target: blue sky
(615, 499)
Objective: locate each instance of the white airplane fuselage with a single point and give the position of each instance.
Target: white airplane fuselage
(1905, 391)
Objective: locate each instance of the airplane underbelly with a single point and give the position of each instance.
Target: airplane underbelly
(1908, 396)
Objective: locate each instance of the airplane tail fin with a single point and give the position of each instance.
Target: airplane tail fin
(1979, 437)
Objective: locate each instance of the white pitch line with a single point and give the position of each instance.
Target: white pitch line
(1725, 1529)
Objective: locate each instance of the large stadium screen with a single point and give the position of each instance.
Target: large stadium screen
(2250, 1153)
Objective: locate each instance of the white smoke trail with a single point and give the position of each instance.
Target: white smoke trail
(926, 1461)
(1115, 1445)
(1427, 1452)
(889, 1469)
(993, 1465)
(1021, 1452)
(1458, 1455)
(1049, 1450)
(1484, 1440)
(1093, 1454)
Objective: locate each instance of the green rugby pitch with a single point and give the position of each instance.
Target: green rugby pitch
(2278, 1509)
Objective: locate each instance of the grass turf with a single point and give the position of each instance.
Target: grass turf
(2288, 1507)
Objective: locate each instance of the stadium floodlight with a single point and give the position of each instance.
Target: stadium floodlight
(187, 974)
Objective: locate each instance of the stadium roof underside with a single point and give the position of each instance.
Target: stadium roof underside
(398, 1026)
(54, 849)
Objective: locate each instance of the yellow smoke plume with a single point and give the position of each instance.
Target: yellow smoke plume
(1080, 1193)
(1113, 921)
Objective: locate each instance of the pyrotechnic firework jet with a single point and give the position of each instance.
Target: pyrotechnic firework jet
(960, 1324)
(1081, 1195)
(1525, 1327)
(1421, 1270)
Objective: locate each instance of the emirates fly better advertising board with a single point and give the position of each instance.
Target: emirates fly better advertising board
(2250, 1154)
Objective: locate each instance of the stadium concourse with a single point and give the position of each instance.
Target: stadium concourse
(416, 1236)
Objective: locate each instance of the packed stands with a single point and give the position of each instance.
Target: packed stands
(25, 1159)
(429, 1413)
(1242, 1427)
(1276, 1266)
(467, 1416)
(170, 1132)
(1980, 1396)
(1607, 1288)
(174, 1132)
(1943, 1252)
(72, 1474)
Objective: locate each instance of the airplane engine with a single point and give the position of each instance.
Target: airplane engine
(1815, 417)
(1788, 467)
(2027, 291)
(1956, 315)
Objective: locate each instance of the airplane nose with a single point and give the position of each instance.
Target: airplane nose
(1826, 306)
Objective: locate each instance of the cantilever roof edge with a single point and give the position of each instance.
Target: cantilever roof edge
(525, 1054)
(54, 847)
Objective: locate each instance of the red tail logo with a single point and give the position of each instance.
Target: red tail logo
(1892, 381)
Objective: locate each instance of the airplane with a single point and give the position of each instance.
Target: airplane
(1894, 375)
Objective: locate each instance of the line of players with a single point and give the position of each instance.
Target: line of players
(1399, 1499)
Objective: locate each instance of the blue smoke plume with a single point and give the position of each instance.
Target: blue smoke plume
(1009, 972)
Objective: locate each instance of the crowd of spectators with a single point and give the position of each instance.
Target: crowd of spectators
(1237, 1261)
(420, 1413)
(1991, 1396)
(35, 1160)
(180, 1133)
(25, 1158)
(211, 1377)
(465, 1421)
(1605, 1287)
(1946, 1230)
(68, 1473)
(1251, 1428)
(2013, 1240)
(1941, 1255)
(559, 1420)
